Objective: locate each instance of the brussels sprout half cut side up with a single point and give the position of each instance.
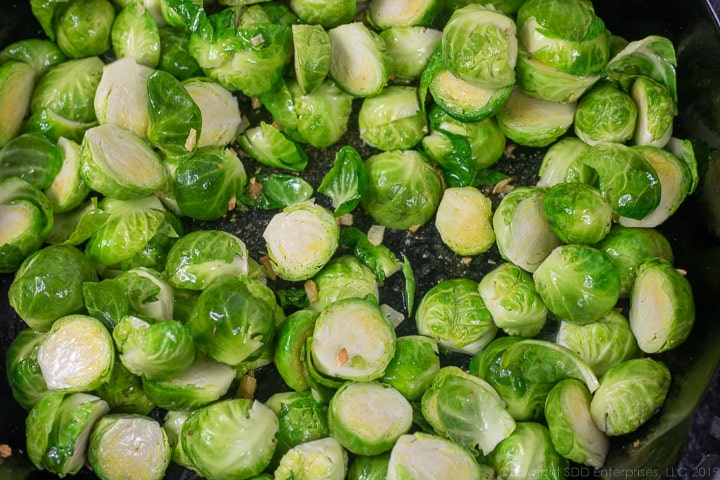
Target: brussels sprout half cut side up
(17, 81)
(321, 459)
(464, 220)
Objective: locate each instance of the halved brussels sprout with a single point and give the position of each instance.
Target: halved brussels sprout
(629, 394)
(54, 126)
(480, 46)
(403, 189)
(322, 459)
(578, 213)
(359, 59)
(572, 430)
(119, 164)
(314, 239)
(605, 113)
(111, 458)
(602, 344)
(344, 277)
(662, 310)
(656, 111)
(328, 13)
(23, 372)
(31, 157)
(77, 355)
(467, 410)
(464, 221)
(523, 235)
(352, 340)
(83, 27)
(58, 430)
(558, 157)
(578, 283)
(413, 367)
(67, 190)
(368, 417)
(222, 120)
(39, 53)
(136, 34)
(528, 449)
(509, 294)
(385, 14)
(453, 313)
(424, 456)
(233, 438)
(534, 122)
(373, 467)
(200, 257)
(410, 49)
(48, 285)
(312, 56)
(627, 247)
(393, 119)
(17, 82)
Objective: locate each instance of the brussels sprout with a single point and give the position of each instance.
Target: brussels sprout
(230, 439)
(122, 95)
(656, 110)
(148, 293)
(83, 27)
(136, 34)
(403, 189)
(385, 14)
(424, 457)
(27, 218)
(172, 424)
(509, 294)
(222, 120)
(106, 300)
(627, 247)
(23, 372)
(69, 89)
(629, 394)
(393, 119)
(523, 235)
(323, 114)
(359, 59)
(361, 353)
(578, 283)
(413, 367)
(254, 49)
(578, 213)
(602, 344)
(528, 452)
(368, 417)
(323, 12)
(174, 55)
(270, 147)
(124, 392)
(58, 430)
(230, 322)
(524, 399)
(202, 383)
(373, 467)
(675, 185)
(464, 221)
(343, 277)
(543, 361)
(48, 285)
(467, 410)
(652, 56)
(565, 35)
(662, 311)
(605, 113)
(301, 419)
(312, 56)
(534, 122)
(479, 46)
(54, 126)
(322, 459)
(557, 158)
(77, 355)
(39, 53)
(17, 82)
(539, 80)
(200, 257)
(206, 186)
(67, 190)
(31, 157)
(110, 457)
(572, 430)
(345, 182)
(623, 175)
(314, 241)
(410, 48)
(272, 191)
(119, 164)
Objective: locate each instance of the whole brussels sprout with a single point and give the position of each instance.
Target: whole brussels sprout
(84, 27)
(578, 213)
(605, 113)
(136, 34)
(528, 449)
